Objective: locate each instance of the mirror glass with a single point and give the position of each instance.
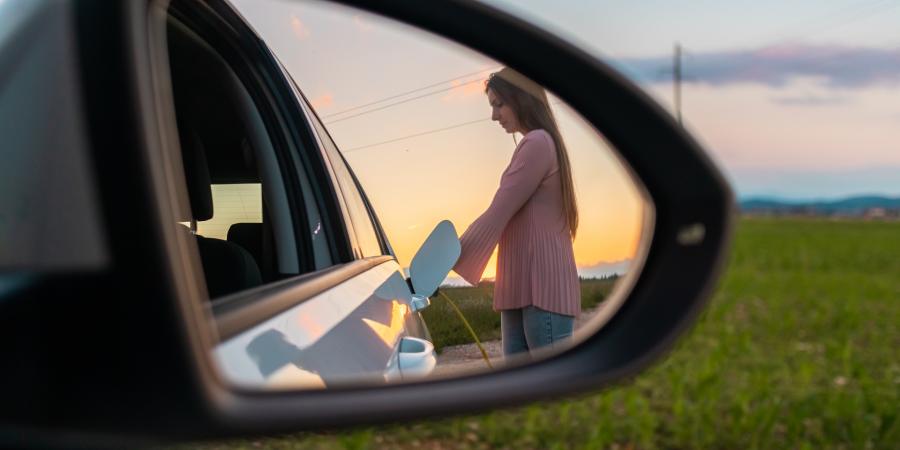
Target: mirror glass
(443, 169)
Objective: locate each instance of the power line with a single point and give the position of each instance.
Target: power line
(350, 150)
(391, 105)
(409, 136)
(411, 92)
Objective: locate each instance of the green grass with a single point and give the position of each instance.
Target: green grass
(799, 348)
(476, 304)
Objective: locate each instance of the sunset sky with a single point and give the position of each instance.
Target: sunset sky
(798, 99)
(793, 98)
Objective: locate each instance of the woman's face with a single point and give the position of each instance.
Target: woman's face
(503, 113)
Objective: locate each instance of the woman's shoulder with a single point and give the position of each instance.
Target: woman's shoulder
(540, 137)
(539, 133)
(538, 140)
(537, 147)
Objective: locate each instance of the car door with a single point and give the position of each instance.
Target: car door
(336, 307)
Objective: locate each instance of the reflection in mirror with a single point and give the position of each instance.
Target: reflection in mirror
(424, 139)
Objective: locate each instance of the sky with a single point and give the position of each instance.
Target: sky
(795, 99)
(342, 59)
(798, 99)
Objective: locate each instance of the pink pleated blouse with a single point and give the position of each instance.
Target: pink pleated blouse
(535, 262)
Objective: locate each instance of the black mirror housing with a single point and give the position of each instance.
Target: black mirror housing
(165, 385)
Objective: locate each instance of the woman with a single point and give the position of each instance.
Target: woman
(533, 218)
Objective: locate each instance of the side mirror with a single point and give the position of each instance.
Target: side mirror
(160, 345)
(433, 262)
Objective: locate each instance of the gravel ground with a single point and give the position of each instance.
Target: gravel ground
(459, 359)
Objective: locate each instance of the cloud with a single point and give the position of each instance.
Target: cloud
(323, 101)
(811, 100)
(301, 31)
(463, 90)
(836, 66)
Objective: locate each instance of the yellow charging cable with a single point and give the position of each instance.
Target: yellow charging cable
(469, 327)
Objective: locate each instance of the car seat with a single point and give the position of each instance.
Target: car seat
(227, 266)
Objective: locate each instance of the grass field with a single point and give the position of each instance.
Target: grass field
(476, 304)
(799, 349)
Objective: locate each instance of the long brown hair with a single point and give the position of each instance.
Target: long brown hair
(529, 102)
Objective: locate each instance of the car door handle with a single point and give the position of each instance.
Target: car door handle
(415, 358)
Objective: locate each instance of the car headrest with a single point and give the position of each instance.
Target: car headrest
(249, 236)
(196, 174)
(207, 95)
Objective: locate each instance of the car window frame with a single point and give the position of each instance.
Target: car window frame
(289, 134)
(240, 63)
(386, 248)
(314, 120)
(333, 180)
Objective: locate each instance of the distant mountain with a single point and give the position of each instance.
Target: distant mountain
(454, 281)
(604, 269)
(601, 269)
(852, 206)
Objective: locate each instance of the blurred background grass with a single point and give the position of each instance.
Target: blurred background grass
(799, 348)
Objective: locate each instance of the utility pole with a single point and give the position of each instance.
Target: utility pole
(676, 84)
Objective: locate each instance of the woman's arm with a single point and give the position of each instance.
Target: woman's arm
(530, 164)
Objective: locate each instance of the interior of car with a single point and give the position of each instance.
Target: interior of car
(224, 142)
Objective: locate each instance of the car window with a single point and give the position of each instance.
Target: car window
(367, 237)
(323, 245)
(233, 204)
(317, 231)
(252, 212)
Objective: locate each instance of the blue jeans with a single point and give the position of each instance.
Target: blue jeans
(531, 327)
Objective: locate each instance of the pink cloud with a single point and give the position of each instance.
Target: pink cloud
(463, 91)
(836, 65)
